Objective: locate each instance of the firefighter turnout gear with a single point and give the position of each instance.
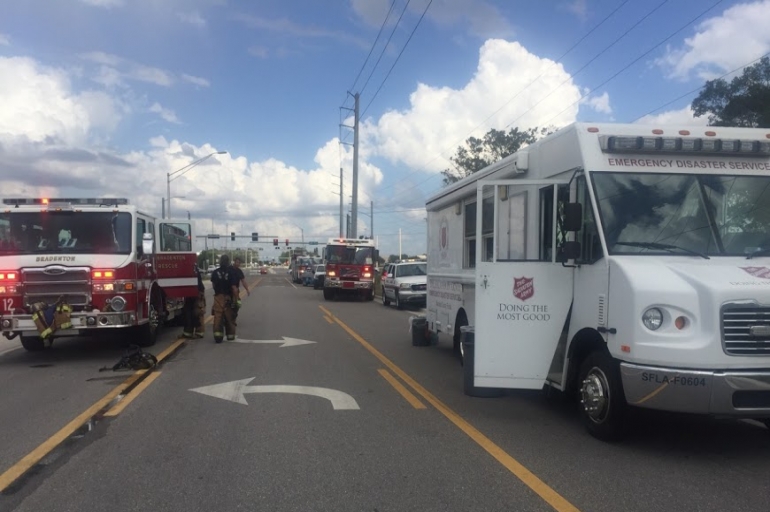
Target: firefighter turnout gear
(194, 311)
(49, 319)
(225, 283)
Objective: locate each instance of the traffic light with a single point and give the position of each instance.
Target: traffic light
(232, 236)
(255, 237)
(287, 242)
(275, 241)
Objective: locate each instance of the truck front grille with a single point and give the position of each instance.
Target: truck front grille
(746, 329)
(71, 284)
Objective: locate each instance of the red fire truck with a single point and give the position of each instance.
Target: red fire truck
(113, 266)
(349, 267)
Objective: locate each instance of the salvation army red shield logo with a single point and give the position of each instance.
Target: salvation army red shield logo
(443, 239)
(761, 272)
(523, 287)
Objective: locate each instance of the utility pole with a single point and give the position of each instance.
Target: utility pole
(400, 252)
(162, 207)
(347, 231)
(342, 202)
(354, 211)
(371, 220)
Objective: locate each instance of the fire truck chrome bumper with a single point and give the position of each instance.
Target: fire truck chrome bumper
(719, 393)
(357, 285)
(79, 321)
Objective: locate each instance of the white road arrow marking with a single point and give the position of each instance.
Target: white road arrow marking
(234, 391)
(286, 342)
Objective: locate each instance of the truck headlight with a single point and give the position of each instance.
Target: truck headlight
(652, 319)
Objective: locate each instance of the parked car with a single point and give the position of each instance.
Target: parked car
(263, 270)
(405, 283)
(319, 276)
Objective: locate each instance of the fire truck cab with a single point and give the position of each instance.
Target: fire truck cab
(114, 266)
(349, 267)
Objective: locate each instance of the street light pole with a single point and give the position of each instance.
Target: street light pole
(185, 169)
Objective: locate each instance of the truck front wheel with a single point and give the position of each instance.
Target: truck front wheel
(602, 403)
(148, 333)
(328, 294)
(32, 343)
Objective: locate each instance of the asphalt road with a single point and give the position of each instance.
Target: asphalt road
(191, 441)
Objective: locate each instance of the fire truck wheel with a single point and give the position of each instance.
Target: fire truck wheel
(602, 403)
(385, 299)
(32, 343)
(148, 333)
(370, 295)
(328, 294)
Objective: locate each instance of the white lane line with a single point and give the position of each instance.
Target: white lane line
(287, 280)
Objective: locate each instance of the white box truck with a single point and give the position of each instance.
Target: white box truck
(627, 264)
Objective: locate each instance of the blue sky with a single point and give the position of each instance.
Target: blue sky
(107, 96)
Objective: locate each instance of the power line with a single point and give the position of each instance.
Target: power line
(573, 75)
(386, 46)
(701, 87)
(558, 61)
(640, 57)
(392, 4)
(398, 57)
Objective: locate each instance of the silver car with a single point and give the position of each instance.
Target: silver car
(405, 283)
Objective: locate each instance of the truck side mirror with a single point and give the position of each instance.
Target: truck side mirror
(148, 245)
(573, 216)
(571, 250)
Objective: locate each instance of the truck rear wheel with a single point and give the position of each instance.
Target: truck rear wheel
(32, 343)
(602, 403)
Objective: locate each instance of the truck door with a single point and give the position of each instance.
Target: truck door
(523, 291)
(175, 260)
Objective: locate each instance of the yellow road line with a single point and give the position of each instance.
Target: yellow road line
(36, 455)
(328, 319)
(118, 408)
(408, 396)
(553, 498)
(170, 349)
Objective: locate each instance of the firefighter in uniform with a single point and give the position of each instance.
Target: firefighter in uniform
(194, 308)
(225, 283)
(241, 278)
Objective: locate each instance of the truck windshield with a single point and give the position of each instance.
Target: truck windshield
(341, 254)
(697, 213)
(65, 233)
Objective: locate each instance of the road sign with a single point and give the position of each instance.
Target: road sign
(286, 342)
(234, 392)
(214, 236)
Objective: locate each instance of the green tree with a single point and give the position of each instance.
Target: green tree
(745, 101)
(477, 153)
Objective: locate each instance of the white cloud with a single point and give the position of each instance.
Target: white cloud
(193, 18)
(579, 8)
(166, 113)
(722, 43)
(259, 51)
(196, 80)
(599, 103)
(681, 117)
(53, 134)
(5, 40)
(482, 17)
(441, 118)
(103, 3)
(39, 105)
(114, 70)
